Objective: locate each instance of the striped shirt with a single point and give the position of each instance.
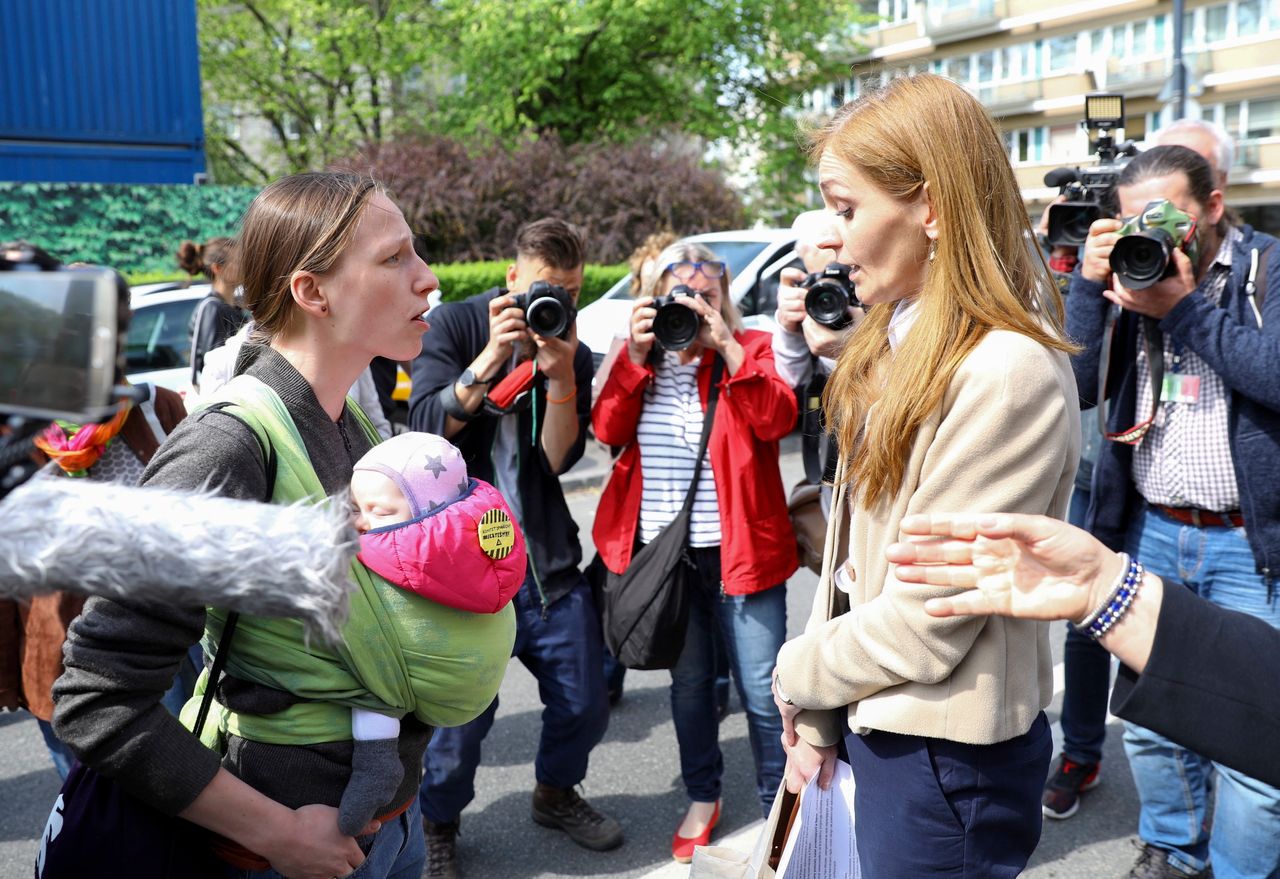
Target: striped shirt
(1185, 458)
(669, 433)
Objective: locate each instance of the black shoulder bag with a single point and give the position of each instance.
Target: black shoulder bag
(646, 608)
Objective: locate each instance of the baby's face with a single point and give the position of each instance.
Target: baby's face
(377, 501)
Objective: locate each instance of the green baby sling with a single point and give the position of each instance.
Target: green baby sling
(400, 653)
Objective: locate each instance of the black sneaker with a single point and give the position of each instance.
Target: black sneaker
(442, 850)
(1153, 863)
(563, 809)
(1066, 782)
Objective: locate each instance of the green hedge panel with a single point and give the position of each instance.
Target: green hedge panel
(136, 229)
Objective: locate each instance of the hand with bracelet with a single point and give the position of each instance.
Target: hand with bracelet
(1032, 567)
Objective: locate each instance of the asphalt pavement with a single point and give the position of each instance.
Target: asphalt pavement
(634, 773)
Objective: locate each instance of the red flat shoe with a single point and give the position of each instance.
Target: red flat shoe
(682, 846)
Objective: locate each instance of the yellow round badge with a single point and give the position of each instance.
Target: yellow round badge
(497, 534)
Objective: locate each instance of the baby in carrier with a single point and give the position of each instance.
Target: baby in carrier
(429, 529)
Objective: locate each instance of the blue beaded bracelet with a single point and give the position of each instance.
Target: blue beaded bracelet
(1109, 613)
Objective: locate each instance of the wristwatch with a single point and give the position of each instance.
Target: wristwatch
(468, 378)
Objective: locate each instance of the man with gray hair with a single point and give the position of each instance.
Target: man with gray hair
(1204, 137)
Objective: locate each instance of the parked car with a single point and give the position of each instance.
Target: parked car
(754, 257)
(158, 349)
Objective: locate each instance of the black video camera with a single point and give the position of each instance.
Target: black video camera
(830, 295)
(59, 355)
(675, 326)
(1090, 192)
(548, 309)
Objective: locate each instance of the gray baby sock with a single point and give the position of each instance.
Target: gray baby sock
(376, 773)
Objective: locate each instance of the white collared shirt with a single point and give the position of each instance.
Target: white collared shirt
(900, 324)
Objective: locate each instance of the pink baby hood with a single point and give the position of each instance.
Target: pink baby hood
(462, 548)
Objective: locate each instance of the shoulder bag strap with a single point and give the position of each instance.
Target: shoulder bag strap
(708, 420)
(233, 618)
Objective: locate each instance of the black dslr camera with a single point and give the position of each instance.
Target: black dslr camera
(548, 310)
(1090, 192)
(830, 295)
(675, 326)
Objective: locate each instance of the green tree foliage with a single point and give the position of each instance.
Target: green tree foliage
(468, 202)
(341, 72)
(324, 75)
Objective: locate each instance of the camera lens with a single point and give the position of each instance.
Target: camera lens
(1143, 258)
(675, 326)
(828, 304)
(547, 317)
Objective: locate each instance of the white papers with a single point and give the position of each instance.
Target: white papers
(821, 844)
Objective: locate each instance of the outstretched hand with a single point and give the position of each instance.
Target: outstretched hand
(1015, 565)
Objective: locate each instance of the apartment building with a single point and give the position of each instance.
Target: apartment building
(1031, 62)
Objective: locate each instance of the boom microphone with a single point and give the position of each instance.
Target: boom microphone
(160, 545)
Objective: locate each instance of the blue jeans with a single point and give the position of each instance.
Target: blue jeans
(398, 851)
(565, 653)
(753, 628)
(1173, 783)
(1087, 678)
(59, 753)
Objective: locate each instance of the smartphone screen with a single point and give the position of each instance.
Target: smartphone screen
(57, 343)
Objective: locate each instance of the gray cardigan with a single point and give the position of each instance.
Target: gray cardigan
(121, 656)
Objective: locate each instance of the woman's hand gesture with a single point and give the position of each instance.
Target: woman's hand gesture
(1016, 565)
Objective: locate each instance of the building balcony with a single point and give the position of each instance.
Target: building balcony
(1014, 98)
(944, 22)
(1241, 66)
(1145, 77)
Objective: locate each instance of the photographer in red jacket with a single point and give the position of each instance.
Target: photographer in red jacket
(740, 536)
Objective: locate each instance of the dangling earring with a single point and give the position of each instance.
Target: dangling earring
(933, 248)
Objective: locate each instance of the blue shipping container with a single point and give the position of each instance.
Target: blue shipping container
(100, 91)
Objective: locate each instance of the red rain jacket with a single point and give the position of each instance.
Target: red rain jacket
(754, 411)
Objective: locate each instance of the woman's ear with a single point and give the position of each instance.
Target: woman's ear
(930, 216)
(307, 293)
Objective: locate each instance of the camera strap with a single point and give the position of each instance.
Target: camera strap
(1153, 341)
(813, 433)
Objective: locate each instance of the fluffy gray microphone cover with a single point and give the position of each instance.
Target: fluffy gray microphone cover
(154, 544)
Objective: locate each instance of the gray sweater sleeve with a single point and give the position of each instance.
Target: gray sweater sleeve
(121, 656)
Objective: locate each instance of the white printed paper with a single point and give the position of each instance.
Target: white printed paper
(821, 844)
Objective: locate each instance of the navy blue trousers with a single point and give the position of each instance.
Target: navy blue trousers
(565, 653)
(930, 807)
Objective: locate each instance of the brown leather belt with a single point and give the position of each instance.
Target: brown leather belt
(1203, 518)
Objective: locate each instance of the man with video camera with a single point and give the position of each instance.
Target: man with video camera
(1190, 480)
(506, 379)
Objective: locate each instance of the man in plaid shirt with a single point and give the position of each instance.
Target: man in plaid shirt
(1190, 481)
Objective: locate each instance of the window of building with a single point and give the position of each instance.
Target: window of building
(957, 68)
(896, 11)
(1263, 119)
(986, 67)
(1061, 53)
(1249, 17)
(1216, 19)
(1027, 145)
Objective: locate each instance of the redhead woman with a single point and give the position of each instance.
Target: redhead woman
(653, 403)
(332, 280)
(954, 393)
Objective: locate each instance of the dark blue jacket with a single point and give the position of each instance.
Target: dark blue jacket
(459, 331)
(1229, 340)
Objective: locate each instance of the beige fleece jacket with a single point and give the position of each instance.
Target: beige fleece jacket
(1006, 438)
